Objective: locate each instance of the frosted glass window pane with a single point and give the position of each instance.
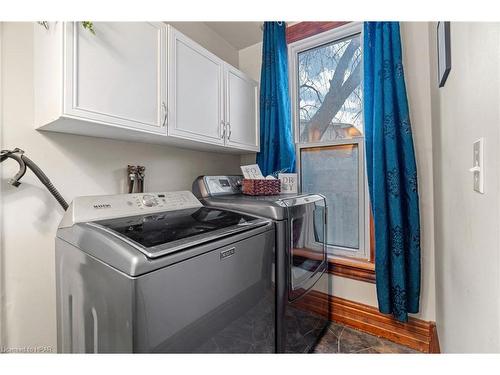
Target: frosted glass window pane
(333, 172)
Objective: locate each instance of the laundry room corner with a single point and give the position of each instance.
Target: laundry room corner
(77, 165)
(204, 178)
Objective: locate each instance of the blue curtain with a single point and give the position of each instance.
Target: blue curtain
(392, 172)
(276, 143)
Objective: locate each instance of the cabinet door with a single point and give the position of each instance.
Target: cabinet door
(117, 75)
(242, 123)
(195, 91)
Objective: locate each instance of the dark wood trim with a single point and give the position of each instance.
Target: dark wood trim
(362, 271)
(351, 268)
(417, 334)
(304, 30)
(434, 347)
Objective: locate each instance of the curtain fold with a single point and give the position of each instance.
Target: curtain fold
(392, 172)
(276, 142)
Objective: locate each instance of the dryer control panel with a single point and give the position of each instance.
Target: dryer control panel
(209, 186)
(100, 207)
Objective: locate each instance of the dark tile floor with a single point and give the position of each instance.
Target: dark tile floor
(342, 339)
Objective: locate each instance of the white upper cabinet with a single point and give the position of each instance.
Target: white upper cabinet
(141, 81)
(195, 91)
(118, 74)
(242, 123)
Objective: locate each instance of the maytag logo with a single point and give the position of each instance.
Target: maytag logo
(226, 253)
(102, 205)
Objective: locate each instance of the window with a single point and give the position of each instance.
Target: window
(329, 91)
(326, 91)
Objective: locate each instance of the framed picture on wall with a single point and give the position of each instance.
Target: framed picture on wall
(443, 52)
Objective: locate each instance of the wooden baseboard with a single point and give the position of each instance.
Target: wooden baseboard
(416, 334)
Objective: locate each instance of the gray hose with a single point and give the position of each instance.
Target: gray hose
(18, 155)
(45, 180)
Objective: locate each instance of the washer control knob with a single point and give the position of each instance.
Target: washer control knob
(149, 200)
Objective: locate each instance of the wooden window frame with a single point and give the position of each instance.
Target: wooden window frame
(362, 270)
(304, 30)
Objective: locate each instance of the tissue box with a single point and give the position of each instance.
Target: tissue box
(261, 187)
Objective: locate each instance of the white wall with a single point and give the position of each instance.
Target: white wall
(249, 61)
(77, 165)
(208, 39)
(415, 42)
(467, 223)
(2, 323)
(415, 39)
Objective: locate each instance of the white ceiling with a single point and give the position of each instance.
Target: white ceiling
(239, 34)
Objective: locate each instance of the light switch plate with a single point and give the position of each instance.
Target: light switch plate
(477, 164)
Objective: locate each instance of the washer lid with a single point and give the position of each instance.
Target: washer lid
(163, 233)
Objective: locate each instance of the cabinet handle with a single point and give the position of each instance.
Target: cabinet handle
(229, 134)
(222, 130)
(165, 114)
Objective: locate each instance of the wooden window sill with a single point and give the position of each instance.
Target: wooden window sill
(352, 269)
